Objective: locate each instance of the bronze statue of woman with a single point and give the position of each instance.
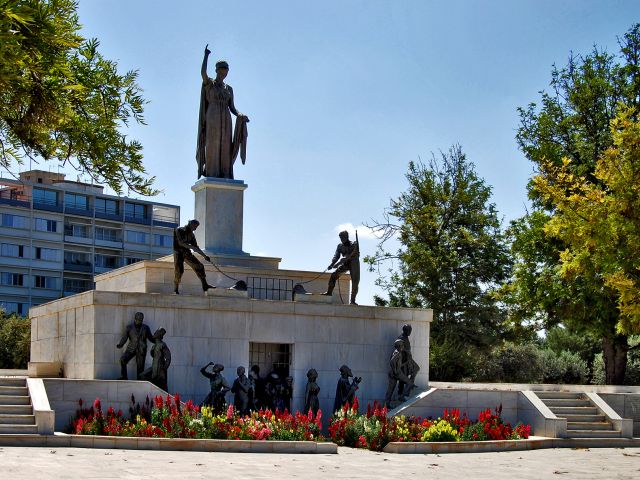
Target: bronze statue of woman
(217, 146)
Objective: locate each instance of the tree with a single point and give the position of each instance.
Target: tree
(15, 340)
(452, 253)
(61, 100)
(573, 122)
(599, 221)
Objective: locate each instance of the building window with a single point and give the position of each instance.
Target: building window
(106, 261)
(14, 221)
(76, 230)
(13, 307)
(12, 279)
(105, 205)
(130, 260)
(45, 225)
(48, 197)
(74, 285)
(42, 281)
(134, 236)
(162, 240)
(11, 250)
(77, 258)
(107, 234)
(46, 254)
(136, 210)
(74, 200)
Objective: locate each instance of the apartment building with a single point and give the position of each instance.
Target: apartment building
(56, 234)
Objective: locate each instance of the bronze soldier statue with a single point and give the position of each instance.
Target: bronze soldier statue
(183, 242)
(137, 334)
(350, 261)
(345, 390)
(396, 374)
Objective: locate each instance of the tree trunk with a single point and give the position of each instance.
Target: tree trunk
(614, 352)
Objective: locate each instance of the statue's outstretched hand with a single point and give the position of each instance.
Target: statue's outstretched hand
(206, 50)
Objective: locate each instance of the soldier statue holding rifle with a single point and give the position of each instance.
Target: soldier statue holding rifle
(183, 242)
(350, 261)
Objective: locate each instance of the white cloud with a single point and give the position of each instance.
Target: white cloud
(364, 232)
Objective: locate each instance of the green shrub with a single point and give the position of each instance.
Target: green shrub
(566, 367)
(15, 340)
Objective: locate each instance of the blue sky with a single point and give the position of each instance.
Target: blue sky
(342, 95)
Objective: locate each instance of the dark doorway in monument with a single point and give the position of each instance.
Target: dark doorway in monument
(266, 288)
(271, 357)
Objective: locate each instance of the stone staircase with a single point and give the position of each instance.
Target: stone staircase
(16, 413)
(584, 419)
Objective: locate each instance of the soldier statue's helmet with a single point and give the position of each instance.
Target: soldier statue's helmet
(194, 222)
(159, 333)
(344, 234)
(345, 370)
(217, 367)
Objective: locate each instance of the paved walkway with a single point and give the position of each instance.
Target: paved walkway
(63, 463)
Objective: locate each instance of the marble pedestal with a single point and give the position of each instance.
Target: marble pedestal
(219, 207)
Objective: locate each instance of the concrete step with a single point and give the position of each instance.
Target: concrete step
(16, 410)
(13, 382)
(567, 402)
(15, 400)
(23, 391)
(22, 429)
(593, 433)
(589, 426)
(545, 395)
(17, 419)
(563, 411)
(582, 418)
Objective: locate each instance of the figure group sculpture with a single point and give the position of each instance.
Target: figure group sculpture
(402, 367)
(135, 337)
(350, 262)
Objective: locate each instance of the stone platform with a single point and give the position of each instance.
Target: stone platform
(82, 331)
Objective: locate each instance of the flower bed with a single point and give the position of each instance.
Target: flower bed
(169, 418)
(374, 429)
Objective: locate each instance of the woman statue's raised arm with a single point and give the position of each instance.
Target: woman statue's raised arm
(205, 77)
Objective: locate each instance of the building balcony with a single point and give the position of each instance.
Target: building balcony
(116, 217)
(109, 244)
(78, 267)
(139, 220)
(49, 206)
(15, 203)
(82, 212)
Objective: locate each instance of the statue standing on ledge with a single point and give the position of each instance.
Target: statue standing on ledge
(216, 150)
(350, 261)
(396, 374)
(137, 334)
(241, 390)
(183, 242)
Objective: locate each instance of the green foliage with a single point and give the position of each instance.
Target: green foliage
(61, 100)
(15, 341)
(565, 367)
(632, 373)
(451, 257)
(528, 363)
(565, 137)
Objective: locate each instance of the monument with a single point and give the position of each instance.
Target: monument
(264, 326)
